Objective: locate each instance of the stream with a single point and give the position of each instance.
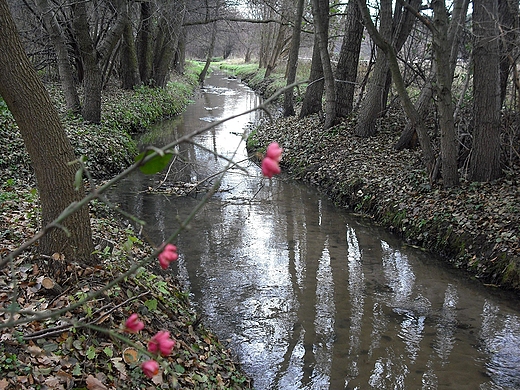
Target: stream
(306, 295)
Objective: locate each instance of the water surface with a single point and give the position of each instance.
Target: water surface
(307, 295)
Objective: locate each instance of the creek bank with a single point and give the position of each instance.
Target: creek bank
(55, 354)
(475, 227)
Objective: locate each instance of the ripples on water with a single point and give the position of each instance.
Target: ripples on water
(310, 297)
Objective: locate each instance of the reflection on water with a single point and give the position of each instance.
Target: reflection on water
(307, 296)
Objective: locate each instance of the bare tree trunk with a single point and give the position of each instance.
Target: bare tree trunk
(321, 29)
(48, 147)
(92, 81)
(425, 99)
(129, 64)
(314, 92)
(485, 155)
(64, 67)
(144, 43)
(292, 63)
(167, 39)
(163, 54)
(442, 49)
(374, 103)
(347, 68)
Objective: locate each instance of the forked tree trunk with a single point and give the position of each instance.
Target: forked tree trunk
(442, 49)
(48, 147)
(64, 66)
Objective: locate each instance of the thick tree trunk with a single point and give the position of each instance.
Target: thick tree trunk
(64, 67)
(314, 92)
(321, 29)
(442, 49)
(180, 54)
(129, 63)
(485, 155)
(168, 36)
(144, 43)
(163, 54)
(292, 63)
(92, 81)
(347, 68)
(48, 147)
(374, 103)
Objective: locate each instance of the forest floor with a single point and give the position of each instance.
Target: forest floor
(83, 345)
(475, 227)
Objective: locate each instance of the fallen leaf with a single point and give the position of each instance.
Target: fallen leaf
(95, 384)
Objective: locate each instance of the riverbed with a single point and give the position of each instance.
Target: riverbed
(305, 294)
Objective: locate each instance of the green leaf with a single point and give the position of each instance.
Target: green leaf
(156, 164)
(108, 351)
(151, 304)
(179, 369)
(162, 287)
(91, 352)
(77, 370)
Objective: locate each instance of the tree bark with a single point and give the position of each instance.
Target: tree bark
(347, 68)
(144, 43)
(64, 66)
(314, 92)
(374, 103)
(321, 29)
(442, 49)
(129, 64)
(48, 147)
(485, 155)
(92, 81)
(167, 38)
(292, 62)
